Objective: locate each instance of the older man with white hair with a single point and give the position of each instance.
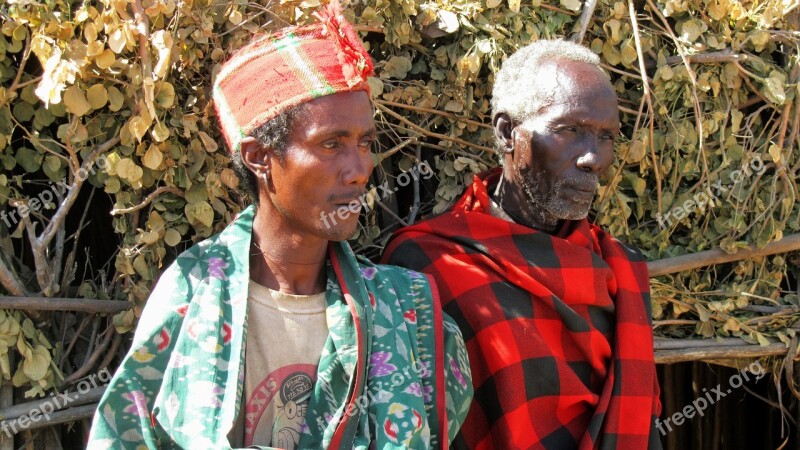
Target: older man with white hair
(554, 310)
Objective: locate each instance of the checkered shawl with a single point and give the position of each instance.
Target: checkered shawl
(557, 327)
(288, 68)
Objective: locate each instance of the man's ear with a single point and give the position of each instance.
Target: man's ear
(255, 156)
(504, 131)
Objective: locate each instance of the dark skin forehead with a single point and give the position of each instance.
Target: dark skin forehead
(566, 81)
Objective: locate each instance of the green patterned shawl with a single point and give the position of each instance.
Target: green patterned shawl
(393, 371)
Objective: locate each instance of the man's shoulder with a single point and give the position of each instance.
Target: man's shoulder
(223, 246)
(371, 270)
(417, 245)
(616, 246)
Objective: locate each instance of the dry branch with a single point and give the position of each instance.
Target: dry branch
(586, 18)
(433, 111)
(153, 195)
(710, 257)
(672, 351)
(429, 133)
(65, 415)
(64, 304)
(76, 399)
(9, 279)
(721, 56)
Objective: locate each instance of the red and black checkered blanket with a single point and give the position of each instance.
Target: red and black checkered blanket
(557, 327)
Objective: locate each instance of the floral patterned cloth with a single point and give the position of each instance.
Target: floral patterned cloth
(393, 372)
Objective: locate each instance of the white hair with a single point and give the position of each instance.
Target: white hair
(516, 91)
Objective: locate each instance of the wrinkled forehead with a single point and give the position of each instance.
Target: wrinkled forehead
(561, 79)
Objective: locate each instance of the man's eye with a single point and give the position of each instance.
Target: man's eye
(567, 129)
(367, 143)
(608, 137)
(331, 145)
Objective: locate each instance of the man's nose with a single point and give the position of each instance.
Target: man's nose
(595, 157)
(359, 167)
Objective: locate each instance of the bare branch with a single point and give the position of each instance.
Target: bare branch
(63, 209)
(92, 359)
(433, 111)
(39, 257)
(391, 213)
(725, 55)
(21, 70)
(428, 133)
(717, 256)
(9, 280)
(586, 17)
(148, 199)
(646, 86)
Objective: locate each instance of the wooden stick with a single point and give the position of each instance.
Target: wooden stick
(717, 256)
(684, 344)
(429, 133)
(148, 199)
(66, 415)
(64, 304)
(586, 18)
(722, 352)
(68, 398)
(434, 111)
(726, 55)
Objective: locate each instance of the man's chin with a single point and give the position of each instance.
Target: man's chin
(341, 232)
(569, 210)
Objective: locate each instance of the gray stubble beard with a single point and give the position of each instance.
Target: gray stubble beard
(548, 208)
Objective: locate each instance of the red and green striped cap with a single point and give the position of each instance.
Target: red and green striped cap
(282, 70)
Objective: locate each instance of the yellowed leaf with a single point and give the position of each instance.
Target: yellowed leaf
(117, 41)
(160, 132)
(199, 213)
(75, 101)
(235, 18)
(152, 157)
(90, 32)
(95, 48)
(115, 99)
(454, 106)
(163, 42)
(105, 59)
(165, 96)
(97, 96)
(172, 237)
(138, 127)
(775, 153)
(572, 5)
(128, 170)
(112, 185)
(209, 143)
(229, 178)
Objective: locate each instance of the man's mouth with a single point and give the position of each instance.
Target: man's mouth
(582, 193)
(346, 199)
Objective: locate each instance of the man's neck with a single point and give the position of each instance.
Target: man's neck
(516, 204)
(283, 259)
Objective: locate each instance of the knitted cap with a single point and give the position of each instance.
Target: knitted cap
(282, 70)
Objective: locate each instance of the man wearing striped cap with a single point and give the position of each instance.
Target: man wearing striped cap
(272, 333)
